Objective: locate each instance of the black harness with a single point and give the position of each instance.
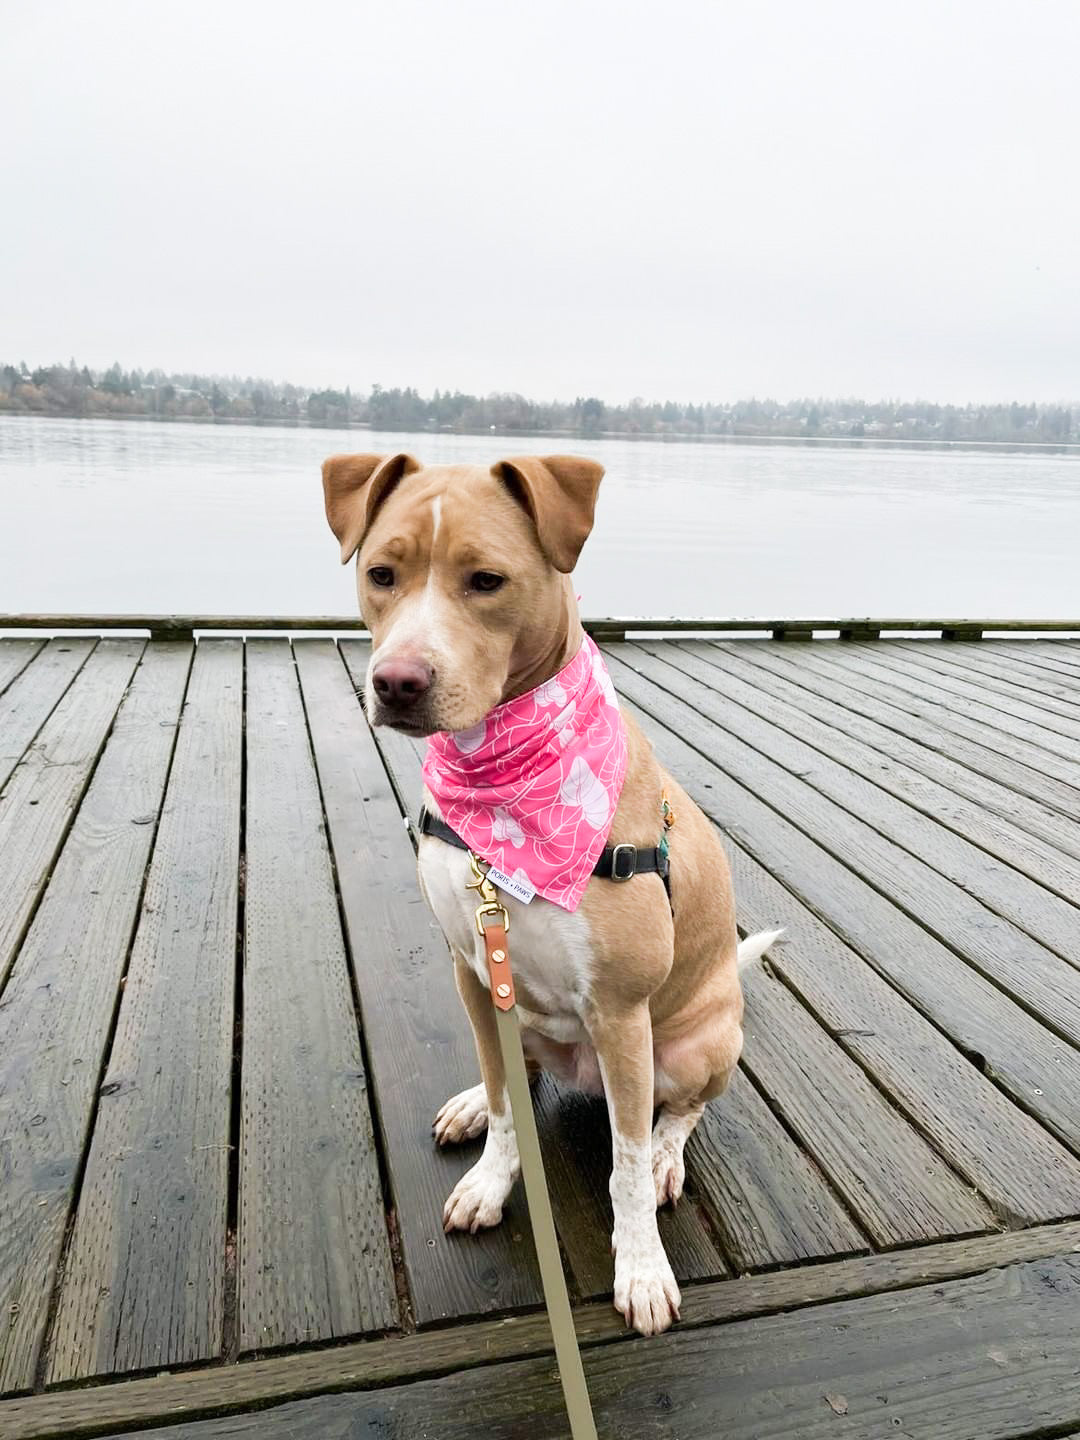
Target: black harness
(616, 862)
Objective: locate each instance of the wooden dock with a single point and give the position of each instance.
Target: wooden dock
(227, 1020)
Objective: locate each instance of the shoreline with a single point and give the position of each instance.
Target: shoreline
(670, 438)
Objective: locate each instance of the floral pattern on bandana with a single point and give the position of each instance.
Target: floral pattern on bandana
(533, 788)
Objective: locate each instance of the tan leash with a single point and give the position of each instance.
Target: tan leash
(493, 922)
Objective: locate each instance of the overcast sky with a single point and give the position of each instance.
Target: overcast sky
(688, 199)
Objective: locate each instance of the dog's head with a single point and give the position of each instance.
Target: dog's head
(462, 576)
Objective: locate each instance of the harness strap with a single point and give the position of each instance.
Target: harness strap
(616, 862)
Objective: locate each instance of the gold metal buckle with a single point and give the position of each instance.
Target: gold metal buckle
(490, 902)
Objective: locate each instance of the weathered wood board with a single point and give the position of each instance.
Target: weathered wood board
(144, 1273)
(313, 1250)
(987, 1358)
(57, 1010)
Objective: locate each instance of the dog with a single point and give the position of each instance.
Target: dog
(463, 579)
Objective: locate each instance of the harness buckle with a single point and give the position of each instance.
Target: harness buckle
(623, 862)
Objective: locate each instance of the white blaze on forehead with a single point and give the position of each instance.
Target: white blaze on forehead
(422, 628)
(424, 618)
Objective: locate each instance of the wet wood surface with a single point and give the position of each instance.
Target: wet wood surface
(227, 1020)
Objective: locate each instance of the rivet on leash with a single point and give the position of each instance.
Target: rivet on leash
(503, 991)
(498, 956)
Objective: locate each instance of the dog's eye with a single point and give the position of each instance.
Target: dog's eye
(381, 575)
(486, 581)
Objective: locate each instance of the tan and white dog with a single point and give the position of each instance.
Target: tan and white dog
(463, 580)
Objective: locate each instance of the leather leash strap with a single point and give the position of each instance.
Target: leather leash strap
(567, 1355)
(500, 975)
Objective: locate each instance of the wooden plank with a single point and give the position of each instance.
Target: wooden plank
(73, 1414)
(15, 656)
(767, 1200)
(674, 624)
(1062, 657)
(145, 1268)
(43, 793)
(952, 702)
(1041, 709)
(1037, 1068)
(1047, 984)
(1045, 865)
(1024, 1173)
(1048, 678)
(1005, 761)
(182, 626)
(313, 1251)
(989, 1357)
(57, 1010)
(1038, 684)
(29, 701)
(756, 687)
(418, 1044)
(1036, 772)
(900, 1190)
(806, 748)
(795, 779)
(812, 691)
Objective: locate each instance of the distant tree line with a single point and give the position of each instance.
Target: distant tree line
(77, 390)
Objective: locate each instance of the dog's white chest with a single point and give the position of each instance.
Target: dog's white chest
(549, 947)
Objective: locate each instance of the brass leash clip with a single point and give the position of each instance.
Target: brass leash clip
(490, 903)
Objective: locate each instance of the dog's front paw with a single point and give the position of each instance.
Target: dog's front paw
(646, 1294)
(476, 1201)
(463, 1117)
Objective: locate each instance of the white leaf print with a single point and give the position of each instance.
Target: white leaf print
(581, 788)
(551, 693)
(563, 723)
(469, 740)
(505, 827)
(603, 679)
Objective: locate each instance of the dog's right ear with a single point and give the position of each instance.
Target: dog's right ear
(354, 486)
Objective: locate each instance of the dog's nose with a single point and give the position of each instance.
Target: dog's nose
(401, 683)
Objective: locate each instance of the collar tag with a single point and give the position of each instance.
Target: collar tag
(515, 885)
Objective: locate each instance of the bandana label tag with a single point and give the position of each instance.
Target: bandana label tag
(515, 885)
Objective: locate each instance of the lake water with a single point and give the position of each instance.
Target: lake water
(100, 516)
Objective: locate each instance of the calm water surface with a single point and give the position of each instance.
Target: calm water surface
(100, 516)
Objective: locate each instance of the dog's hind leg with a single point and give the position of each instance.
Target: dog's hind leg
(674, 1126)
(477, 1200)
(690, 1072)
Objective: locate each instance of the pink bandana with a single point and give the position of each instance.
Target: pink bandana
(533, 788)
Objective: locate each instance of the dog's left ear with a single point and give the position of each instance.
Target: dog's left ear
(559, 493)
(354, 486)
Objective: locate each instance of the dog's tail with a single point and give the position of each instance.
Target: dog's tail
(754, 946)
